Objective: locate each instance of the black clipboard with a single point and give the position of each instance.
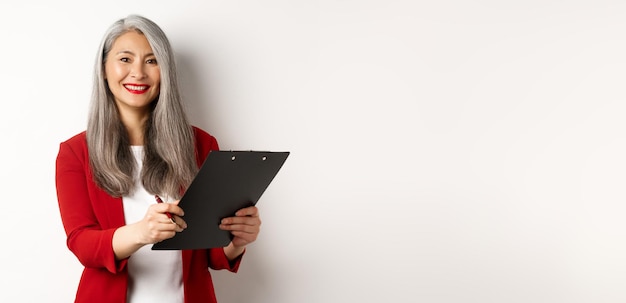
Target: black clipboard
(226, 182)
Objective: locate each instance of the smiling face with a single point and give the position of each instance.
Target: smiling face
(132, 73)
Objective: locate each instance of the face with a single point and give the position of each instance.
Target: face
(132, 72)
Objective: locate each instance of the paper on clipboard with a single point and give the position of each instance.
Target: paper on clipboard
(226, 182)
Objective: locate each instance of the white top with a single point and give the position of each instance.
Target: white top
(154, 275)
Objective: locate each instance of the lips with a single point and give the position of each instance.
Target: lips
(136, 88)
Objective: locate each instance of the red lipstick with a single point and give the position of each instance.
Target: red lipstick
(137, 89)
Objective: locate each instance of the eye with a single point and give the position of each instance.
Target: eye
(151, 61)
(125, 59)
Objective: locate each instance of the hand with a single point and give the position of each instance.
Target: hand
(156, 226)
(244, 226)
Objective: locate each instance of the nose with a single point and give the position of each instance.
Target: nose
(138, 70)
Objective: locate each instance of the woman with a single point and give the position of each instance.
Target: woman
(138, 144)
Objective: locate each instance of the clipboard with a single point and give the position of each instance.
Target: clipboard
(227, 181)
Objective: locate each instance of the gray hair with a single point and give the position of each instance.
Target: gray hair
(169, 150)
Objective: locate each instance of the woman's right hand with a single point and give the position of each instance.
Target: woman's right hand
(154, 227)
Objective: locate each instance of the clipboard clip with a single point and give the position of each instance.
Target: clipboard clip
(233, 157)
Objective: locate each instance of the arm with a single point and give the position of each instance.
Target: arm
(232, 252)
(89, 217)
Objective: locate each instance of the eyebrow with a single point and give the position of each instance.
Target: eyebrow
(131, 53)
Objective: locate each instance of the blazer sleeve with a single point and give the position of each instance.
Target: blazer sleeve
(218, 260)
(85, 210)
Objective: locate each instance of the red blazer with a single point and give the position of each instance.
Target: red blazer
(90, 216)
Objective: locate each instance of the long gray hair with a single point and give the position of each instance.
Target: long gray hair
(169, 151)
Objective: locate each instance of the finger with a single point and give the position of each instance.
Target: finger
(166, 223)
(167, 208)
(162, 218)
(168, 229)
(242, 220)
(180, 222)
(243, 238)
(175, 210)
(245, 228)
(248, 238)
(251, 211)
(241, 228)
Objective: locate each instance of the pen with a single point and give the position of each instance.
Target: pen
(158, 199)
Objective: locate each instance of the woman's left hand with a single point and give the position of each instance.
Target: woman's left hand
(244, 226)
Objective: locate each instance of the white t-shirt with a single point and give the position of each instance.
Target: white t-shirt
(154, 275)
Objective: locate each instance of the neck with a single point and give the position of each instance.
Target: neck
(135, 124)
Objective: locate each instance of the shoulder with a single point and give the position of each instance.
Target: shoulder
(77, 140)
(73, 149)
(205, 143)
(204, 138)
(77, 143)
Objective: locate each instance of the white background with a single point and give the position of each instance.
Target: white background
(442, 151)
